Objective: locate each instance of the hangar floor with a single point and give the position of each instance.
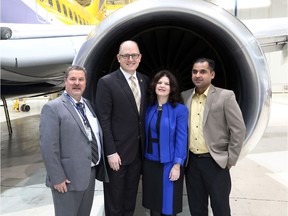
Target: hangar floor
(260, 180)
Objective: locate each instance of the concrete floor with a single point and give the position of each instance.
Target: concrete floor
(260, 180)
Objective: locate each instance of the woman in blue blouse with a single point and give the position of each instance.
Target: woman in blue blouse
(166, 128)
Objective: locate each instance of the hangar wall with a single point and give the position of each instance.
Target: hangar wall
(277, 61)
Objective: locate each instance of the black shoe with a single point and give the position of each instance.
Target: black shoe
(154, 213)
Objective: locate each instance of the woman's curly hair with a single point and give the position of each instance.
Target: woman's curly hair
(174, 96)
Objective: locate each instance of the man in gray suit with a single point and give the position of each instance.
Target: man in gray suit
(71, 146)
(216, 136)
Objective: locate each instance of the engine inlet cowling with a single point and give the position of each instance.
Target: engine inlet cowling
(170, 35)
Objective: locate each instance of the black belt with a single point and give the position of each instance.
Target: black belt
(153, 140)
(204, 155)
(150, 141)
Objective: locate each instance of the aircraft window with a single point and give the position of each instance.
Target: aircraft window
(64, 9)
(50, 3)
(100, 4)
(70, 14)
(75, 17)
(84, 2)
(58, 6)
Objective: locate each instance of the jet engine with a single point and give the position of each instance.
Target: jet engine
(170, 35)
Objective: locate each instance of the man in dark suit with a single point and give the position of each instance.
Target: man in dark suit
(71, 146)
(120, 106)
(216, 136)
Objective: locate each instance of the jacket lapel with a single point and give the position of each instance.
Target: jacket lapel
(150, 112)
(94, 115)
(126, 88)
(209, 103)
(189, 99)
(142, 89)
(73, 112)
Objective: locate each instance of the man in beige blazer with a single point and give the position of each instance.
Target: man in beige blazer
(216, 136)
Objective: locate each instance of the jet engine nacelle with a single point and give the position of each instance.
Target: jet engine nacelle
(170, 35)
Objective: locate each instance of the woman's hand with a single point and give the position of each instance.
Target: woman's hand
(175, 172)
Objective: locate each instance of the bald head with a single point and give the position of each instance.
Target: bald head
(129, 56)
(127, 44)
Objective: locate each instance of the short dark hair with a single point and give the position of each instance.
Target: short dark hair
(211, 62)
(174, 96)
(74, 67)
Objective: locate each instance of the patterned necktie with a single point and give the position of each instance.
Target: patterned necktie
(94, 145)
(135, 92)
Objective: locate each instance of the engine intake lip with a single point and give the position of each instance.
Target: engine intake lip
(170, 34)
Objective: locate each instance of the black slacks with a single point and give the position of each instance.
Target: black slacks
(121, 192)
(153, 213)
(206, 179)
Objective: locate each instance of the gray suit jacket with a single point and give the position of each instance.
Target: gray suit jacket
(64, 145)
(223, 125)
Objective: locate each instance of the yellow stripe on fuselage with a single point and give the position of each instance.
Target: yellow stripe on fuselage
(71, 12)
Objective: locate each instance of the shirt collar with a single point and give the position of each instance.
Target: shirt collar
(128, 75)
(205, 93)
(75, 101)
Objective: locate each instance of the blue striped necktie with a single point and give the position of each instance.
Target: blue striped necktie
(94, 145)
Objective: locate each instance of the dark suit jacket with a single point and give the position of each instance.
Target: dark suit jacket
(65, 147)
(223, 125)
(122, 125)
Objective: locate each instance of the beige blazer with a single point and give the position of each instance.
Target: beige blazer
(223, 125)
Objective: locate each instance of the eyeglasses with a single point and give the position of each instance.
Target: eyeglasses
(127, 56)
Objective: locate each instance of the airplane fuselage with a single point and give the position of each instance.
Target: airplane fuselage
(52, 12)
